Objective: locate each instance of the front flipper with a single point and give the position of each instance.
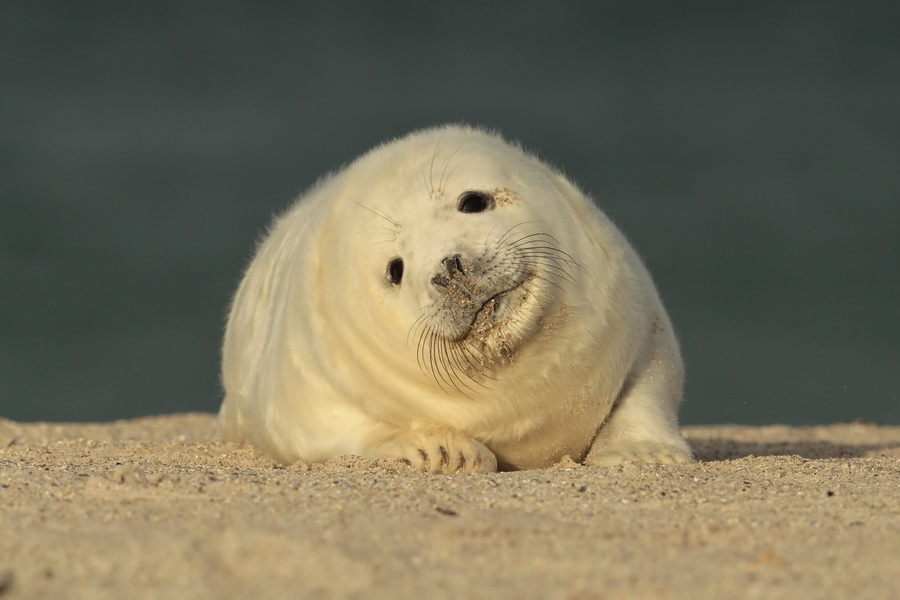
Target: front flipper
(437, 451)
(639, 430)
(638, 451)
(643, 426)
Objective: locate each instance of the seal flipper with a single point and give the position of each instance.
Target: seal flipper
(638, 430)
(433, 450)
(643, 426)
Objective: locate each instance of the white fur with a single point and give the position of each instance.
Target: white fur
(320, 354)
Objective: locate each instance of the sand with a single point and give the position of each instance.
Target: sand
(155, 507)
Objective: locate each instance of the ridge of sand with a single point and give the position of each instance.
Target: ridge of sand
(154, 507)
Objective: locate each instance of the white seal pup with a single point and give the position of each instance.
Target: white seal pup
(450, 300)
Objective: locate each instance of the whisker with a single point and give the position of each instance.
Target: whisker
(481, 367)
(425, 183)
(444, 170)
(430, 186)
(380, 214)
(451, 368)
(458, 352)
(509, 232)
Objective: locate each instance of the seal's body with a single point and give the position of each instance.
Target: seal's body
(450, 300)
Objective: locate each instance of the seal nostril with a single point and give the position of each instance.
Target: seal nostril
(453, 265)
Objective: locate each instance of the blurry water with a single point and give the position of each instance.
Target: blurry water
(750, 151)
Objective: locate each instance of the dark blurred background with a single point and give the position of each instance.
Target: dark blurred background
(750, 150)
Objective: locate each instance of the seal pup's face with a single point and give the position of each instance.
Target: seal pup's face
(466, 251)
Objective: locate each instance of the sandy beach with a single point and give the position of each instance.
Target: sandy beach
(155, 507)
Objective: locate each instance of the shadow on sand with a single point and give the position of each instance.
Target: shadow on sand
(715, 449)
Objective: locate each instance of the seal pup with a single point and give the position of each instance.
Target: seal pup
(450, 300)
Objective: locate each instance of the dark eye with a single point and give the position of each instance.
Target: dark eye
(475, 202)
(395, 270)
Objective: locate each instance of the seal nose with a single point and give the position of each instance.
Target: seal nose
(453, 269)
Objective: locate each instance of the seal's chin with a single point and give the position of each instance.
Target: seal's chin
(504, 322)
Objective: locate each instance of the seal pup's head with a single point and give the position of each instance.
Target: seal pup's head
(468, 242)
